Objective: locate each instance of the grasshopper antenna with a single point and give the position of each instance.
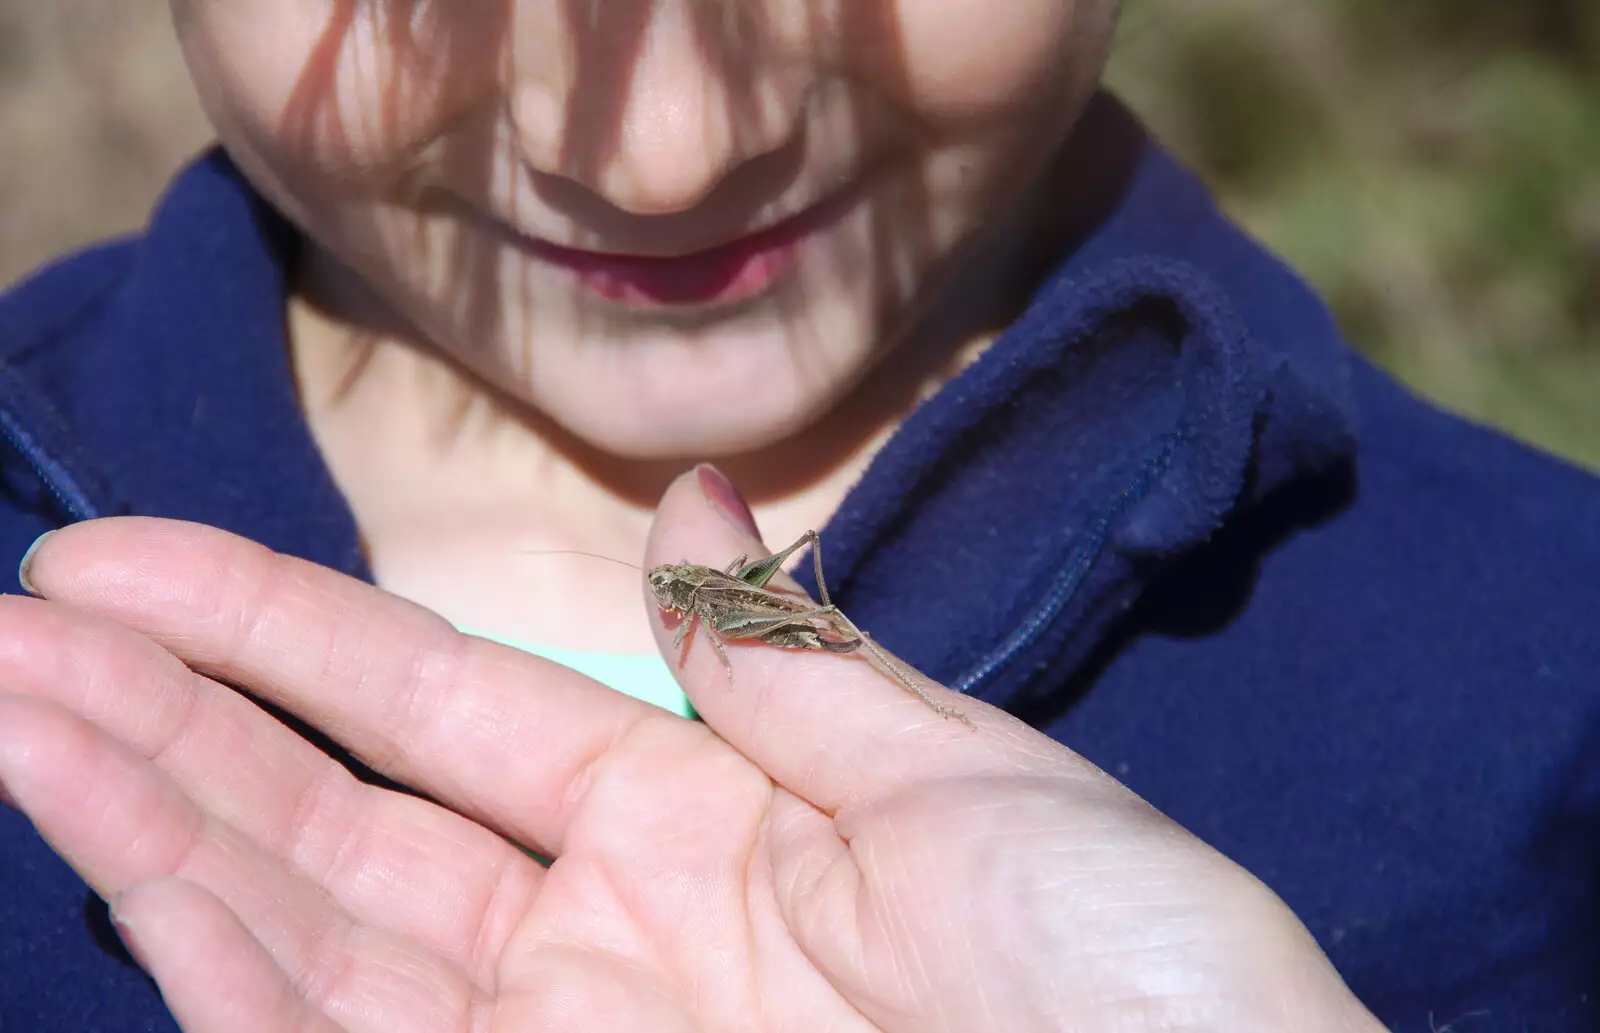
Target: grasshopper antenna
(579, 552)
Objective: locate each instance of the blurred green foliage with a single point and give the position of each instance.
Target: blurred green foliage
(1433, 167)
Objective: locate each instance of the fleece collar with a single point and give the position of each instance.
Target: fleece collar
(1168, 378)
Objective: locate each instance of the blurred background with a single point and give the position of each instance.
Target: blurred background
(1433, 167)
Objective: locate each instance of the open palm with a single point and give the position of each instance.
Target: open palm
(825, 853)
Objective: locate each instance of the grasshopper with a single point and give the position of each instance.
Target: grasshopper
(735, 603)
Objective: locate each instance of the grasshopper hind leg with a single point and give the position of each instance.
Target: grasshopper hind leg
(805, 636)
(903, 676)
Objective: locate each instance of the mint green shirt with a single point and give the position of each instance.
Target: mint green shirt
(643, 676)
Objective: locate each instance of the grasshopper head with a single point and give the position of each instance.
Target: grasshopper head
(670, 585)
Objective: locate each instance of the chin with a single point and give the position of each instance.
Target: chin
(693, 432)
(673, 396)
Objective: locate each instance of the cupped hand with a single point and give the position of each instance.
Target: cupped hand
(824, 853)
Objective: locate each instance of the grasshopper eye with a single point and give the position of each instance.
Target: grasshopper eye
(661, 583)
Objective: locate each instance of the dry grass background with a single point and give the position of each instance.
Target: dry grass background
(1434, 166)
(96, 112)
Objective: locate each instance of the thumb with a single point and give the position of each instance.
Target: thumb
(825, 724)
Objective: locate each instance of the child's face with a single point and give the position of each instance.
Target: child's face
(495, 169)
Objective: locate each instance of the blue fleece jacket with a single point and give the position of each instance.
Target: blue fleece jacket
(1169, 517)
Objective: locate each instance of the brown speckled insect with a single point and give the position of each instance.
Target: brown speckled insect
(735, 603)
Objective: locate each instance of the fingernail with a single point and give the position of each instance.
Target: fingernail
(27, 561)
(720, 492)
(130, 942)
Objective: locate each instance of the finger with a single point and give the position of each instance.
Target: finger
(389, 860)
(121, 822)
(503, 736)
(214, 976)
(829, 727)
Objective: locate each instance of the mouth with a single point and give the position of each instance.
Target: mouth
(725, 274)
(721, 275)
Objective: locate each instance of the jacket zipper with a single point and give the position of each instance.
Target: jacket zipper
(74, 502)
(1085, 553)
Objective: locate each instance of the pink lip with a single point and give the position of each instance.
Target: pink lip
(720, 275)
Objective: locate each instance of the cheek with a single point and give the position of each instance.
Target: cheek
(979, 64)
(347, 88)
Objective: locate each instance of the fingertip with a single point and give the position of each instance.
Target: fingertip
(213, 973)
(25, 565)
(726, 500)
(130, 940)
(34, 736)
(123, 557)
(145, 914)
(702, 507)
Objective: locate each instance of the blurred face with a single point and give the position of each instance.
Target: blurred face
(675, 227)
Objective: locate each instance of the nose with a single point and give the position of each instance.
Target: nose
(653, 113)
